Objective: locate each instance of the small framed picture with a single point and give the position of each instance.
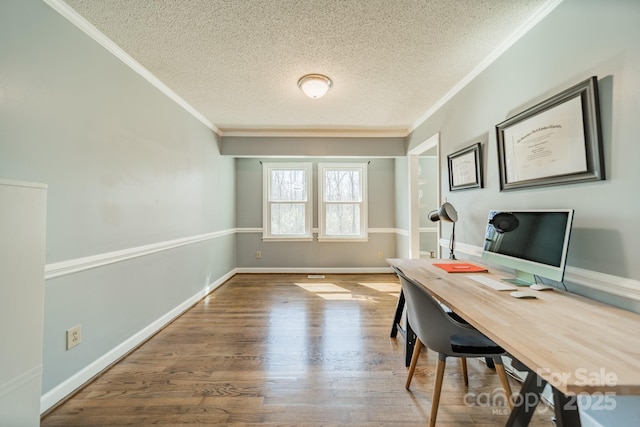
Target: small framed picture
(465, 168)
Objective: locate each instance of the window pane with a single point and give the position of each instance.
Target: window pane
(342, 186)
(288, 185)
(287, 218)
(343, 220)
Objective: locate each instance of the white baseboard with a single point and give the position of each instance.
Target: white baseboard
(66, 388)
(627, 288)
(310, 270)
(60, 392)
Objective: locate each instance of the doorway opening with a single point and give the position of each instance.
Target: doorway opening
(424, 197)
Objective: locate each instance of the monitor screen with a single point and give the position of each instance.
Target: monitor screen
(532, 242)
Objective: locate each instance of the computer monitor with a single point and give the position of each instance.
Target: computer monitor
(533, 242)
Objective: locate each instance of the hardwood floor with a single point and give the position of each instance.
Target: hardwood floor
(284, 350)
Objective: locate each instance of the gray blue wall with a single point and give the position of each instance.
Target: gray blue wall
(141, 205)
(579, 39)
(143, 208)
(307, 256)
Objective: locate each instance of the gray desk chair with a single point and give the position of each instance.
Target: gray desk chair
(440, 332)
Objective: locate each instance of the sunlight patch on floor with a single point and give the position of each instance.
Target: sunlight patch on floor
(333, 292)
(383, 287)
(337, 297)
(323, 287)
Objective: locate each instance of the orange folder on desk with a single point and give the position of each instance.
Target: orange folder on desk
(460, 267)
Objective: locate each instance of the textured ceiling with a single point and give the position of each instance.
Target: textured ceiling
(237, 62)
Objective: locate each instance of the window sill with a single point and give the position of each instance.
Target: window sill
(343, 239)
(287, 239)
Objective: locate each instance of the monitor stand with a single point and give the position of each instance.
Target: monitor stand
(522, 279)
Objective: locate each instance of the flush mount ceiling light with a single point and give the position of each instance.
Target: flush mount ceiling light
(315, 85)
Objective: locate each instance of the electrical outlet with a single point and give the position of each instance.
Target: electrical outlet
(380, 255)
(258, 254)
(74, 336)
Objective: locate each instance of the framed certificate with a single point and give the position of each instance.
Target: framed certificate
(465, 168)
(557, 141)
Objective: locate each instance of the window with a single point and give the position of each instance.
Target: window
(286, 201)
(342, 201)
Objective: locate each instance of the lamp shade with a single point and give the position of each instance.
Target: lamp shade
(315, 85)
(504, 222)
(446, 213)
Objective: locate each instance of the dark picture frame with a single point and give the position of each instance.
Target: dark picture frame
(465, 168)
(557, 141)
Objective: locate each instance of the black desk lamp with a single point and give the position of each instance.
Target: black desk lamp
(447, 213)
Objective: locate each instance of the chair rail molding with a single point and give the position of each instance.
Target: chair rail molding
(602, 282)
(85, 26)
(380, 230)
(314, 270)
(77, 265)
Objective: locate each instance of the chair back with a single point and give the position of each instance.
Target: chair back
(430, 321)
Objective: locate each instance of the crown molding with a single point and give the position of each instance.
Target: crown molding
(85, 26)
(316, 133)
(545, 10)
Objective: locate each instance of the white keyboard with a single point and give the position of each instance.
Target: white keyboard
(491, 283)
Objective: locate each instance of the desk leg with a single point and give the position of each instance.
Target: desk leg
(566, 409)
(407, 332)
(398, 315)
(526, 401)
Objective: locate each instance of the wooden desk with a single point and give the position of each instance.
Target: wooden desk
(573, 343)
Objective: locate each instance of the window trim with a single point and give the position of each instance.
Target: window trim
(266, 203)
(364, 206)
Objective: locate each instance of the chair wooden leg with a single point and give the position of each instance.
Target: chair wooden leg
(414, 361)
(465, 373)
(437, 388)
(504, 380)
